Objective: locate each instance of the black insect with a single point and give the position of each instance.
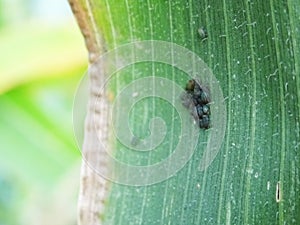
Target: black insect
(196, 100)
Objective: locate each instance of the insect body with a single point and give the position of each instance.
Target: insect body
(203, 110)
(197, 101)
(204, 122)
(190, 86)
(202, 32)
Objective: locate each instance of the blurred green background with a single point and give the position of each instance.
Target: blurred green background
(42, 59)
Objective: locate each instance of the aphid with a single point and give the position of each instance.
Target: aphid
(196, 100)
(204, 99)
(200, 111)
(204, 122)
(190, 86)
(197, 89)
(202, 32)
(206, 109)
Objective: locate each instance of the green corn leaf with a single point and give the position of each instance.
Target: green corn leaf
(252, 48)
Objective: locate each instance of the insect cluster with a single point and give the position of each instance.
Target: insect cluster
(196, 100)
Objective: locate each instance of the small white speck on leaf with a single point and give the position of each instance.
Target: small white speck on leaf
(135, 94)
